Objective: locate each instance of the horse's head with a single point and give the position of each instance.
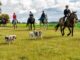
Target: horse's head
(74, 15)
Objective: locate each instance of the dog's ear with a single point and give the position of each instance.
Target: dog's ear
(6, 38)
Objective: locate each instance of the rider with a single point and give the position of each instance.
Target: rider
(14, 16)
(66, 12)
(43, 15)
(31, 20)
(14, 19)
(30, 17)
(31, 14)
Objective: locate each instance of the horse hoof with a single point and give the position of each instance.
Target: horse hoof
(68, 34)
(62, 34)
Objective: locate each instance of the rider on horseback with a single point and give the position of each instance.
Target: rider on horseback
(14, 21)
(31, 14)
(31, 21)
(66, 12)
(43, 16)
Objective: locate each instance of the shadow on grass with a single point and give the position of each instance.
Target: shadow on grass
(76, 39)
(70, 58)
(48, 37)
(0, 35)
(45, 38)
(51, 37)
(23, 58)
(3, 44)
(21, 30)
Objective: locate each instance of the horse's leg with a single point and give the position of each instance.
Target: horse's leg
(43, 25)
(61, 30)
(13, 26)
(28, 26)
(69, 32)
(40, 25)
(34, 26)
(0, 24)
(31, 26)
(46, 26)
(72, 30)
(16, 25)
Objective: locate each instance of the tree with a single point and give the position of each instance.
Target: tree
(6, 16)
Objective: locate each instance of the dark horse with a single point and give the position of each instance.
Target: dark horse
(69, 23)
(31, 22)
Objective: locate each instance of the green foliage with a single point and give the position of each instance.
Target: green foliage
(6, 16)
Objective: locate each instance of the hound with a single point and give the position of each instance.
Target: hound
(10, 38)
(35, 34)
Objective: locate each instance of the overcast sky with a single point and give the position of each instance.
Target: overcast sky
(24, 6)
(41, 4)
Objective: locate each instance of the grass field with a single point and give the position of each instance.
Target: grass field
(51, 47)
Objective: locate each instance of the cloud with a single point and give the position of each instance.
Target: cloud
(24, 6)
(36, 5)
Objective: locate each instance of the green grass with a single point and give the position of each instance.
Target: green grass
(37, 25)
(51, 47)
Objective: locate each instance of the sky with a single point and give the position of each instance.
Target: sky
(53, 8)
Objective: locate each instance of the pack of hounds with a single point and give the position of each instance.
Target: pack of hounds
(32, 35)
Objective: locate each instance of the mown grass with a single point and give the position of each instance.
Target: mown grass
(51, 47)
(37, 25)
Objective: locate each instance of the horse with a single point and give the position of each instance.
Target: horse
(44, 21)
(14, 22)
(31, 22)
(69, 23)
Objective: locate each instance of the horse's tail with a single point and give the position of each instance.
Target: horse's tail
(59, 23)
(57, 26)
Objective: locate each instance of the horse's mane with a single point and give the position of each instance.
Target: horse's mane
(71, 16)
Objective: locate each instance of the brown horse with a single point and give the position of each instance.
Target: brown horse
(69, 23)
